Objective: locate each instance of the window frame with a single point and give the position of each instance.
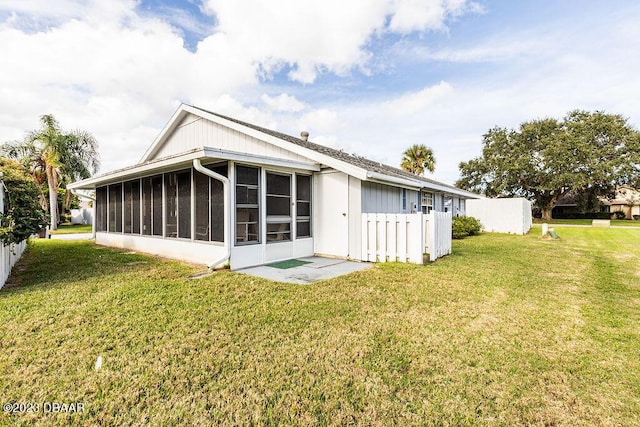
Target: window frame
(428, 196)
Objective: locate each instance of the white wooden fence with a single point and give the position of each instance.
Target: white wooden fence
(405, 237)
(508, 215)
(9, 255)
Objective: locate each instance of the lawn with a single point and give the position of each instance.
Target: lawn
(67, 228)
(509, 330)
(614, 222)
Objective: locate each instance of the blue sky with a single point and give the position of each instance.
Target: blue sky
(369, 77)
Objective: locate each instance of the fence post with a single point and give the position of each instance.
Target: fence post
(381, 227)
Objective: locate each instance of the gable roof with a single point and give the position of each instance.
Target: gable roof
(358, 166)
(376, 171)
(358, 161)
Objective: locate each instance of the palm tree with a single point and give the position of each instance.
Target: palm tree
(418, 158)
(55, 155)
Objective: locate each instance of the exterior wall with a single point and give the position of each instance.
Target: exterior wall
(183, 250)
(381, 198)
(196, 132)
(629, 211)
(458, 206)
(252, 255)
(438, 202)
(355, 215)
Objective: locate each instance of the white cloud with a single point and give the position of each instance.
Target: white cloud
(332, 35)
(282, 102)
(102, 66)
(413, 102)
(419, 15)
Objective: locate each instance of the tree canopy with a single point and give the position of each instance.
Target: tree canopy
(545, 159)
(22, 215)
(418, 158)
(56, 157)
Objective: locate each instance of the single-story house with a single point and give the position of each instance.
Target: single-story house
(626, 199)
(214, 190)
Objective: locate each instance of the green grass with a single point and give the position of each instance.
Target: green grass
(509, 330)
(616, 222)
(72, 229)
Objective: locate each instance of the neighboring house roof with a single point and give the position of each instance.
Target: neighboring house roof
(624, 195)
(568, 199)
(358, 166)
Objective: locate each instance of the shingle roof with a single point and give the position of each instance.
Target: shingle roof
(358, 161)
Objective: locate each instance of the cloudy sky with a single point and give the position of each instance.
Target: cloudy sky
(369, 76)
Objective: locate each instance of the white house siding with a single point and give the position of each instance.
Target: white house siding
(355, 218)
(381, 198)
(183, 250)
(196, 132)
(438, 202)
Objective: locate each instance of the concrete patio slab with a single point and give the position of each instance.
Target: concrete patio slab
(319, 268)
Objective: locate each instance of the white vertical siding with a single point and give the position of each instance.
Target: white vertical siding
(196, 132)
(355, 215)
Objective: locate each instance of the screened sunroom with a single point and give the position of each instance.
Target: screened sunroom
(269, 217)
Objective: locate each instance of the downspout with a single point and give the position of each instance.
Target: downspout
(93, 217)
(227, 205)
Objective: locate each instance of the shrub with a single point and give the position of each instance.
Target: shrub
(636, 217)
(23, 215)
(587, 215)
(464, 226)
(620, 215)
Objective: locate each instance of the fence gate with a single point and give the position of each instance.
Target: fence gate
(405, 237)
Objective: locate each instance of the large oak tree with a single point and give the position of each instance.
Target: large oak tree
(545, 159)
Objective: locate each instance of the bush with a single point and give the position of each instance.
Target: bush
(587, 215)
(23, 215)
(464, 226)
(636, 217)
(620, 215)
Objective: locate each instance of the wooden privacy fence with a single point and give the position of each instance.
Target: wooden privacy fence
(405, 237)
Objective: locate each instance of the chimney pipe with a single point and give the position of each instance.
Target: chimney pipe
(304, 135)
